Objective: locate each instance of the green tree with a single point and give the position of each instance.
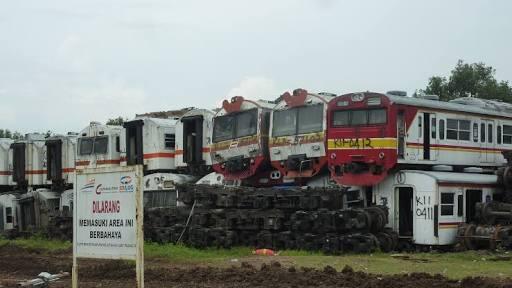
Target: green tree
(476, 80)
(119, 121)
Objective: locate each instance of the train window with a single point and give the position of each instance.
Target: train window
(460, 205)
(118, 144)
(377, 116)
(169, 141)
(475, 132)
(420, 129)
(447, 203)
(441, 129)
(507, 134)
(101, 145)
(498, 134)
(489, 133)
(85, 146)
(482, 132)
(457, 129)
(246, 123)
(284, 122)
(433, 127)
(8, 214)
(223, 127)
(359, 117)
(340, 118)
(310, 119)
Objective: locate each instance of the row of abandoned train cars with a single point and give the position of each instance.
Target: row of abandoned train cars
(308, 171)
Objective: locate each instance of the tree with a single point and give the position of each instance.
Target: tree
(119, 121)
(476, 80)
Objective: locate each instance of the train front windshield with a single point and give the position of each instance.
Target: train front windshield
(359, 117)
(235, 126)
(298, 120)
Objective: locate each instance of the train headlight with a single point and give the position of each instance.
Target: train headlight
(333, 156)
(382, 155)
(223, 166)
(357, 97)
(252, 160)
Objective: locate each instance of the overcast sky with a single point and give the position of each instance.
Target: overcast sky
(64, 63)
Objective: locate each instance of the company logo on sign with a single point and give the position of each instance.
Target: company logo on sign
(126, 180)
(126, 184)
(89, 186)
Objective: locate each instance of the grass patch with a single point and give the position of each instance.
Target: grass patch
(38, 243)
(182, 253)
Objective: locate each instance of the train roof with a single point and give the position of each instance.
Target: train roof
(474, 105)
(157, 121)
(458, 177)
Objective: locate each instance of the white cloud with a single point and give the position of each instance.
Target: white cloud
(255, 88)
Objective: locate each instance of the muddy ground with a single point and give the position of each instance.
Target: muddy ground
(18, 264)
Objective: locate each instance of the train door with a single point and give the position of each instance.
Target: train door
(473, 196)
(18, 163)
(487, 141)
(193, 139)
(404, 213)
(426, 136)
(2, 218)
(54, 159)
(401, 131)
(434, 153)
(134, 141)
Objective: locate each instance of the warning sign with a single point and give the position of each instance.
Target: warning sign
(106, 203)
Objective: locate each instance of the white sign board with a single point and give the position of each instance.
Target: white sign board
(105, 222)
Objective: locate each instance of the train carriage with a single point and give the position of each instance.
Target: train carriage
(240, 139)
(371, 134)
(193, 140)
(28, 160)
(5, 171)
(60, 159)
(298, 134)
(99, 145)
(427, 206)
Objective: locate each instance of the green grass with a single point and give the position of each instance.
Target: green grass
(453, 265)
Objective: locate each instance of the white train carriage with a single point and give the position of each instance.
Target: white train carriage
(298, 133)
(428, 206)
(151, 142)
(7, 211)
(60, 159)
(5, 170)
(193, 140)
(98, 145)
(35, 208)
(28, 161)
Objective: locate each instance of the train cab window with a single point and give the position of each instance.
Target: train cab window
(310, 119)
(85, 146)
(441, 129)
(498, 134)
(246, 123)
(475, 132)
(460, 205)
(359, 117)
(101, 145)
(223, 127)
(447, 204)
(489, 133)
(169, 141)
(507, 134)
(377, 116)
(458, 129)
(341, 118)
(482, 132)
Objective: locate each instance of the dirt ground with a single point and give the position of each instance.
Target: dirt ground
(17, 264)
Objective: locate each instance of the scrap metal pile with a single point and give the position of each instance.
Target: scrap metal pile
(313, 219)
(493, 226)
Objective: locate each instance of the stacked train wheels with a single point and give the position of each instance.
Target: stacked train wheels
(303, 219)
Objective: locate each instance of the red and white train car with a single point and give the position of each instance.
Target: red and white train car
(298, 134)
(5, 170)
(150, 142)
(99, 146)
(60, 160)
(193, 140)
(28, 161)
(371, 134)
(239, 147)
